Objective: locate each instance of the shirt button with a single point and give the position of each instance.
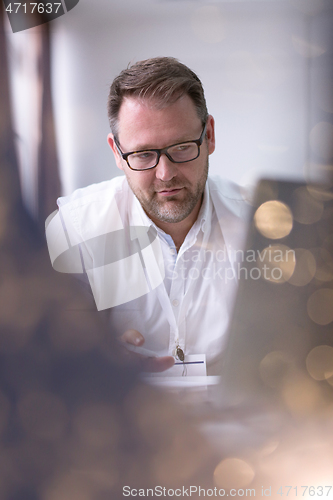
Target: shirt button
(175, 303)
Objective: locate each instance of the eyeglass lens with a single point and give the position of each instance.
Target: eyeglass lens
(179, 154)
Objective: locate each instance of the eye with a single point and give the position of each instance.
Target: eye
(183, 147)
(145, 155)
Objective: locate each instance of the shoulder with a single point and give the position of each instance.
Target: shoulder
(224, 186)
(231, 209)
(94, 192)
(227, 195)
(95, 209)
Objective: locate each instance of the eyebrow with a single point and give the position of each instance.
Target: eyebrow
(146, 147)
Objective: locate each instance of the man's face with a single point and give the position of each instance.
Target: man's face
(170, 192)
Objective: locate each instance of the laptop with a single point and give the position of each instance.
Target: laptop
(279, 352)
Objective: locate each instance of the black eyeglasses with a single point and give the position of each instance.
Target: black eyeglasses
(177, 153)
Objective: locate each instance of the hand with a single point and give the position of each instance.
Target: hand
(146, 364)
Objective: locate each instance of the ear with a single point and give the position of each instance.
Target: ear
(118, 158)
(210, 134)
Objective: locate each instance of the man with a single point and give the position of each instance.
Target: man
(161, 137)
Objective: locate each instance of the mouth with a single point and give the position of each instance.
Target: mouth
(169, 192)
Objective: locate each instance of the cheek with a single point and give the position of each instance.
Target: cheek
(194, 175)
(140, 181)
(147, 185)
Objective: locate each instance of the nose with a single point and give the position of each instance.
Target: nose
(165, 169)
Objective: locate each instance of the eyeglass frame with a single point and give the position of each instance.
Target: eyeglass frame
(159, 152)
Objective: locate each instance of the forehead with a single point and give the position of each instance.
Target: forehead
(143, 124)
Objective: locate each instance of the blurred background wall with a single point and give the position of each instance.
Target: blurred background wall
(266, 67)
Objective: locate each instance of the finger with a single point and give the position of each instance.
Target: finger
(158, 364)
(132, 337)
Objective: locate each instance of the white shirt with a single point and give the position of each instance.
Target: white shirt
(191, 306)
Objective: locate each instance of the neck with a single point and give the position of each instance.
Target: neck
(179, 230)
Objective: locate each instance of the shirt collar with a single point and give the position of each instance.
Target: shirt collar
(204, 216)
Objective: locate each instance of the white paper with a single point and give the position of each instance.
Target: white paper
(193, 366)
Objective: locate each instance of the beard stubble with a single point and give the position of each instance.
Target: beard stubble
(171, 210)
